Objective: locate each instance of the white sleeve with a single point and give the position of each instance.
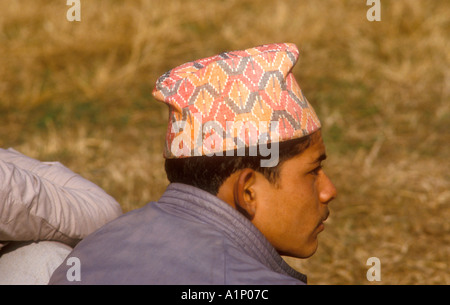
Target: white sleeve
(47, 201)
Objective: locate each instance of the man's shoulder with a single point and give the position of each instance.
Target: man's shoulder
(150, 246)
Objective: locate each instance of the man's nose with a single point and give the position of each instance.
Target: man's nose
(327, 190)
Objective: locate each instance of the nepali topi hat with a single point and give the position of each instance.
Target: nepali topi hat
(234, 99)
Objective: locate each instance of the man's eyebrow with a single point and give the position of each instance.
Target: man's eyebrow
(320, 158)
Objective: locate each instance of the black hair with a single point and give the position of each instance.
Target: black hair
(209, 173)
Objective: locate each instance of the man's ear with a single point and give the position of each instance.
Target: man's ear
(244, 193)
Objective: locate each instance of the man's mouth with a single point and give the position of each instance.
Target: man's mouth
(326, 216)
(321, 225)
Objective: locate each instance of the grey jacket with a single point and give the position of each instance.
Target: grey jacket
(188, 237)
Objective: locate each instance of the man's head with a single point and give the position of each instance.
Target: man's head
(287, 203)
(237, 102)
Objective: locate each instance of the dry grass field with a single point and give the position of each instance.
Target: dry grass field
(80, 93)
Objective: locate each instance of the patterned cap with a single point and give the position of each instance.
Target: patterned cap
(235, 99)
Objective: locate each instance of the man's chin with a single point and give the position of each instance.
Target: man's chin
(304, 252)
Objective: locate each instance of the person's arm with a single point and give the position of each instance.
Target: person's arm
(47, 201)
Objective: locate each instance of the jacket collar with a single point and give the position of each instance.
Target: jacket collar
(211, 209)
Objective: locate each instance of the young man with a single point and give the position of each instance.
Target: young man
(243, 154)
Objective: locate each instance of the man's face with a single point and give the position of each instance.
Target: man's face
(291, 213)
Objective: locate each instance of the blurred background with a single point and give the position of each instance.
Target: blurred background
(80, 93)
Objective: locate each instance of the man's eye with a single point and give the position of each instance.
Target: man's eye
(316, 171)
